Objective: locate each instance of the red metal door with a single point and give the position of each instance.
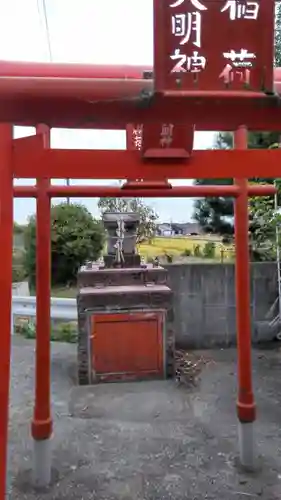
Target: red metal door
(129, 344)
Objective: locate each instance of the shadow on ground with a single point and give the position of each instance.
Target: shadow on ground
(147, 441)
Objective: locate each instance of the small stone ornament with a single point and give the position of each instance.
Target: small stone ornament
(143, 262)
(101, 262)
(156, 262)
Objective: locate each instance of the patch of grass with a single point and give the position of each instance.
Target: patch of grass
(61, 292)
(19, 273)
(60, 331)
(64, 292)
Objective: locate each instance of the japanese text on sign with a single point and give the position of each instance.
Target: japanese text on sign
(165, 140)
(137, 137)
(166, 136)
(187, 25)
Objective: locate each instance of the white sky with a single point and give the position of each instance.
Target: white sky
(86, 31)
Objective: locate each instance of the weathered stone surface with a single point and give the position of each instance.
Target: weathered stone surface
(130, 260)
(118, 277)
(131, 221)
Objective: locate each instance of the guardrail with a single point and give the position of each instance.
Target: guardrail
(64, 309)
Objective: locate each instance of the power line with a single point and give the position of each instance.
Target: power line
(41, 6)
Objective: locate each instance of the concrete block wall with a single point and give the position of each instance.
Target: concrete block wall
(204, 301)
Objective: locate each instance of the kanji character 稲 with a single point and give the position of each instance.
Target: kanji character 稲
(241, 10)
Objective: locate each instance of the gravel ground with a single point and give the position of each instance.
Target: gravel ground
(146, 441)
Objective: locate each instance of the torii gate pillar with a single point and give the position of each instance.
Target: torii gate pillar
(6, 254)
(246, 409)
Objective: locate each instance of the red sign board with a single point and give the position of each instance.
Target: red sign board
(209, 45)
(161, 140)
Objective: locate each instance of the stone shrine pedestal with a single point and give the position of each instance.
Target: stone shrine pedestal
(125, 323)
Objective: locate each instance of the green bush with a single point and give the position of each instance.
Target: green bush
(65, 332)
(209, 250)
(18, 271)
(197, 251)
(226, 240)
(61, 332)
(150, 259)
(169, 258)
(18, 274)
(27, 330)
(187, 252)
(75, 237)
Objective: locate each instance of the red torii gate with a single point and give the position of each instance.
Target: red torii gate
(112, 97)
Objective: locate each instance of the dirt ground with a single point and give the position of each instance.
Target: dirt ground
(146, 441)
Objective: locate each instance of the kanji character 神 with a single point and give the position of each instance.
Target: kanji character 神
(184, 64)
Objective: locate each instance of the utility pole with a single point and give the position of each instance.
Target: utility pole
(277, 239)
(68, 184)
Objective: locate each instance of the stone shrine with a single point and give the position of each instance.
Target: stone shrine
(125, 312)
(126, 223)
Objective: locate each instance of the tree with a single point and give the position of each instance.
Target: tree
(18, 229)
(216, 214)
(75, 237)
(148, 217)
(264, 221)
(277, 59)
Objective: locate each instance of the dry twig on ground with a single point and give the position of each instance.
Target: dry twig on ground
(188, 367)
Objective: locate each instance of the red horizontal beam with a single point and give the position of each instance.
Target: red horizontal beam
(93, 164)
(206, 114)
(117, 192)
(28, 69)
(160, 192)
(25, 191)
(214, 94)
(22, 75)
(101, 89)
(85, 96)
(71, 80)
